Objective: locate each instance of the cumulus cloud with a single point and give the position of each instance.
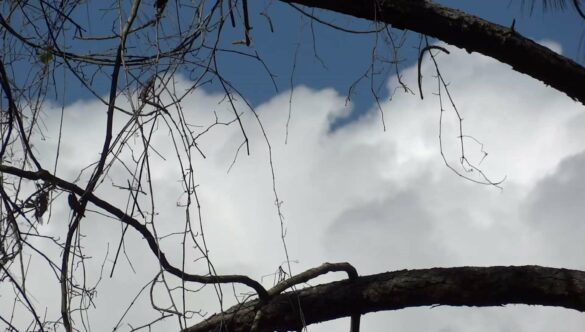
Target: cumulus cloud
(380, 200)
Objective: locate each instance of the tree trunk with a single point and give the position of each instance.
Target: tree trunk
(459, 286)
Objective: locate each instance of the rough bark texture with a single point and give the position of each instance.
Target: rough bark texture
(459, 286)
(470, 33)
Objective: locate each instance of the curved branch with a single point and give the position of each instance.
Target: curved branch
(103, 59)
(459, 286)
(305, 277)
(312, 274)
(470, 33)
(142, 229)
(420, 58)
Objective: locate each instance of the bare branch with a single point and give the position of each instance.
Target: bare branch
(143, 230)
(420, 58)
(459, 286)
(471, 33)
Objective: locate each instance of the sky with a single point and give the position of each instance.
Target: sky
(381, 200)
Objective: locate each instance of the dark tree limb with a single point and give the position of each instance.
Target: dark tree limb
(420, 58)
(471, 33)
(459, 286)
(247, 27)
(305, 277)
(140, 228)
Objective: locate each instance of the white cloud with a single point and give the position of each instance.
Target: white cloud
(380, 200)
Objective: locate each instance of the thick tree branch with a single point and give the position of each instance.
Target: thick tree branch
(470, 33)
(459, 286)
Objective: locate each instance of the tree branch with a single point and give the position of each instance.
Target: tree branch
(459, 286)
(304, 277)
(140, 228)
(470, 33)
(312, 274)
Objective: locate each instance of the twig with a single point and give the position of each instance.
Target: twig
(420, 57)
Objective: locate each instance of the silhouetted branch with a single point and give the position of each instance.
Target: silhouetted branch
(142, 229)
(471, 33)
(458, 286)
(420, 58)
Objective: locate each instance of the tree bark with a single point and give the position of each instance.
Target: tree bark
(470, 33)
(459, 286)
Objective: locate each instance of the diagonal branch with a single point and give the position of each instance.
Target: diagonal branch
(470, 33)
(459, 286)
(140, 228)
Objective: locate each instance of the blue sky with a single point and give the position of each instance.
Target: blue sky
(346, 57)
